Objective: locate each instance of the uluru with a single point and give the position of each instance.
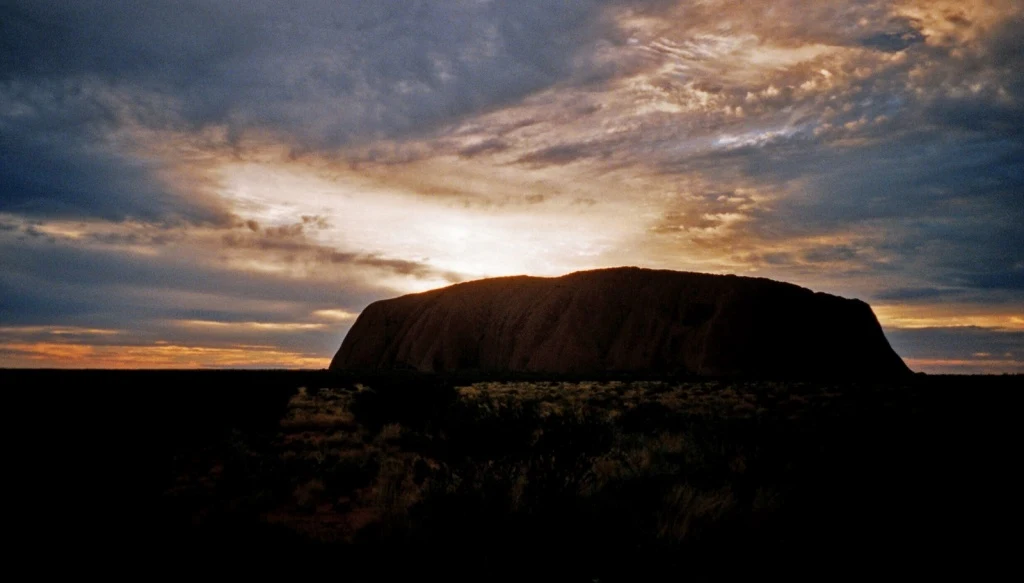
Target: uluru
(622, 320)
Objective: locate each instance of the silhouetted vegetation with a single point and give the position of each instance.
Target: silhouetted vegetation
(611, 480)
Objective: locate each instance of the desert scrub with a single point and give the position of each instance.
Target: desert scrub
(331, 419)
(687, 511)
(388, 435)
(309, 495)
(600, 480)
(392, 494)
(324, 409)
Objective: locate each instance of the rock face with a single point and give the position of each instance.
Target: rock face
(622, 320)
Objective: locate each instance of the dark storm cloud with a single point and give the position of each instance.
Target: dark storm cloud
(908, 177)
(326, 71)
(952, 200)
(1010, 279)
(63, 175)
(318, 73)
(84, 84)
(916, 293)
(899, 166)
(899, 35)
(829, 254)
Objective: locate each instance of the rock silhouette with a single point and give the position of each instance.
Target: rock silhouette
(622, 320)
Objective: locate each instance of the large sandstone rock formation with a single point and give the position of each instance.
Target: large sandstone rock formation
(622, 320)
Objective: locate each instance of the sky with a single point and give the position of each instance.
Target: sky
(228, 184)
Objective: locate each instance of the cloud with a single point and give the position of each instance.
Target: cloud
(330, 72)
(960, 350)
(158, 356)
(335, 315)
(64, 283)
(893, 41)
(60, 159)
(554, 155)
(487, 146)
(290, 244)
(906, 155)
(148, 287)
(84, 86)
(258, 163)
(949, 342)
(68, 182)
(918, 293)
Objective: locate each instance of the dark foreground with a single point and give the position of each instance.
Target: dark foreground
(398, 478)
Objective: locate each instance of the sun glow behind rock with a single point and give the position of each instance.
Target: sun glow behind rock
(450, 235)
(859, 148)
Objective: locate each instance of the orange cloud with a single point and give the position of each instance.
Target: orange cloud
(664, 164)
(948, 316)
(955, 22)
(56, 355)
(250, 326)
(965, 366)
(335, 315)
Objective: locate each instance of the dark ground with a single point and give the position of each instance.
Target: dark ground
(616, 479)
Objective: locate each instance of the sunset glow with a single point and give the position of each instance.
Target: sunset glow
(235, 190)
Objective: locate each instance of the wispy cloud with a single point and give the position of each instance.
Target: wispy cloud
(188, 173)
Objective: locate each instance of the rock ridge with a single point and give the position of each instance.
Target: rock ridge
(623, 320)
